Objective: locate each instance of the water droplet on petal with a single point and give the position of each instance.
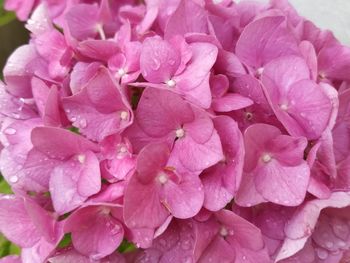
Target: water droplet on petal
(186, 245)
(82, 123)
(10, 131)
(321, 253)
(329, 244)
(115, 230)
(171, 83)
(13, 179)
(155, 64)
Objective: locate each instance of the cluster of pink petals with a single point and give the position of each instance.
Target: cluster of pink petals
(198, 130)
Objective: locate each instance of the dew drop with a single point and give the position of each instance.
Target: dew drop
(180, 133)
(115, 230)
(82, 123)
(186, 245)
(155, 64)
(341, 244)
(10, 131)
(14, 179)
(322, 254)
(329, 244)
(162, 242)
(121, 72)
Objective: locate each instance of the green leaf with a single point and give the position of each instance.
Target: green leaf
(126, 246)
(8, 248)
(5, 17)
(5, 188)
(66, 240)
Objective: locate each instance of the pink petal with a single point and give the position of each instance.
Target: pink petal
(142, 206)
(94, 233)
(334, 62)
(161, 112)
(289, 91)
(185, 199)
(275, 183)
(89, 112)
(265, 39)
(82, 21)
(159, 60)
(230, 102)
(16, 224)
(182, 20)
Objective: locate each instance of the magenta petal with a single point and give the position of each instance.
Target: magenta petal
(247, 194)
(334, 62)
(11, 259)
(222, 181)
(282, 184)
(217, 196)
(19, 69)
(15, 222)
(39, 252)
(78, 178)
(218, 251)
(82, 73)
(142, 206)
(59, 143)
(197, 155)
(245, 233)
(101, 50)
(265, 39)
(182, 20)
(82, 21)
(299, 103)
(230, 102)
(185, 199)
(193, 83)
(151, 160)
(89, 112)
(89, 182)
(159, 60)
(161, 112)
(95, 233)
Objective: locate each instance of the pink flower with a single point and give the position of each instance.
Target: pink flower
(157, 190)
(129, 128)
(271, 158)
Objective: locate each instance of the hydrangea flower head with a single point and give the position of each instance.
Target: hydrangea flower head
(175, 131)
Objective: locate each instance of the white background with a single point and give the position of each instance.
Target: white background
(326, 14)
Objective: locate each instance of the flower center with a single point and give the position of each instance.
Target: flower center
(249, 115)
(121, 72)
(259, 71)
(266, 157)
(171, 83)
(223, 231)
(81, 158)
(180, 133)
(124, 115)
(162, 178)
